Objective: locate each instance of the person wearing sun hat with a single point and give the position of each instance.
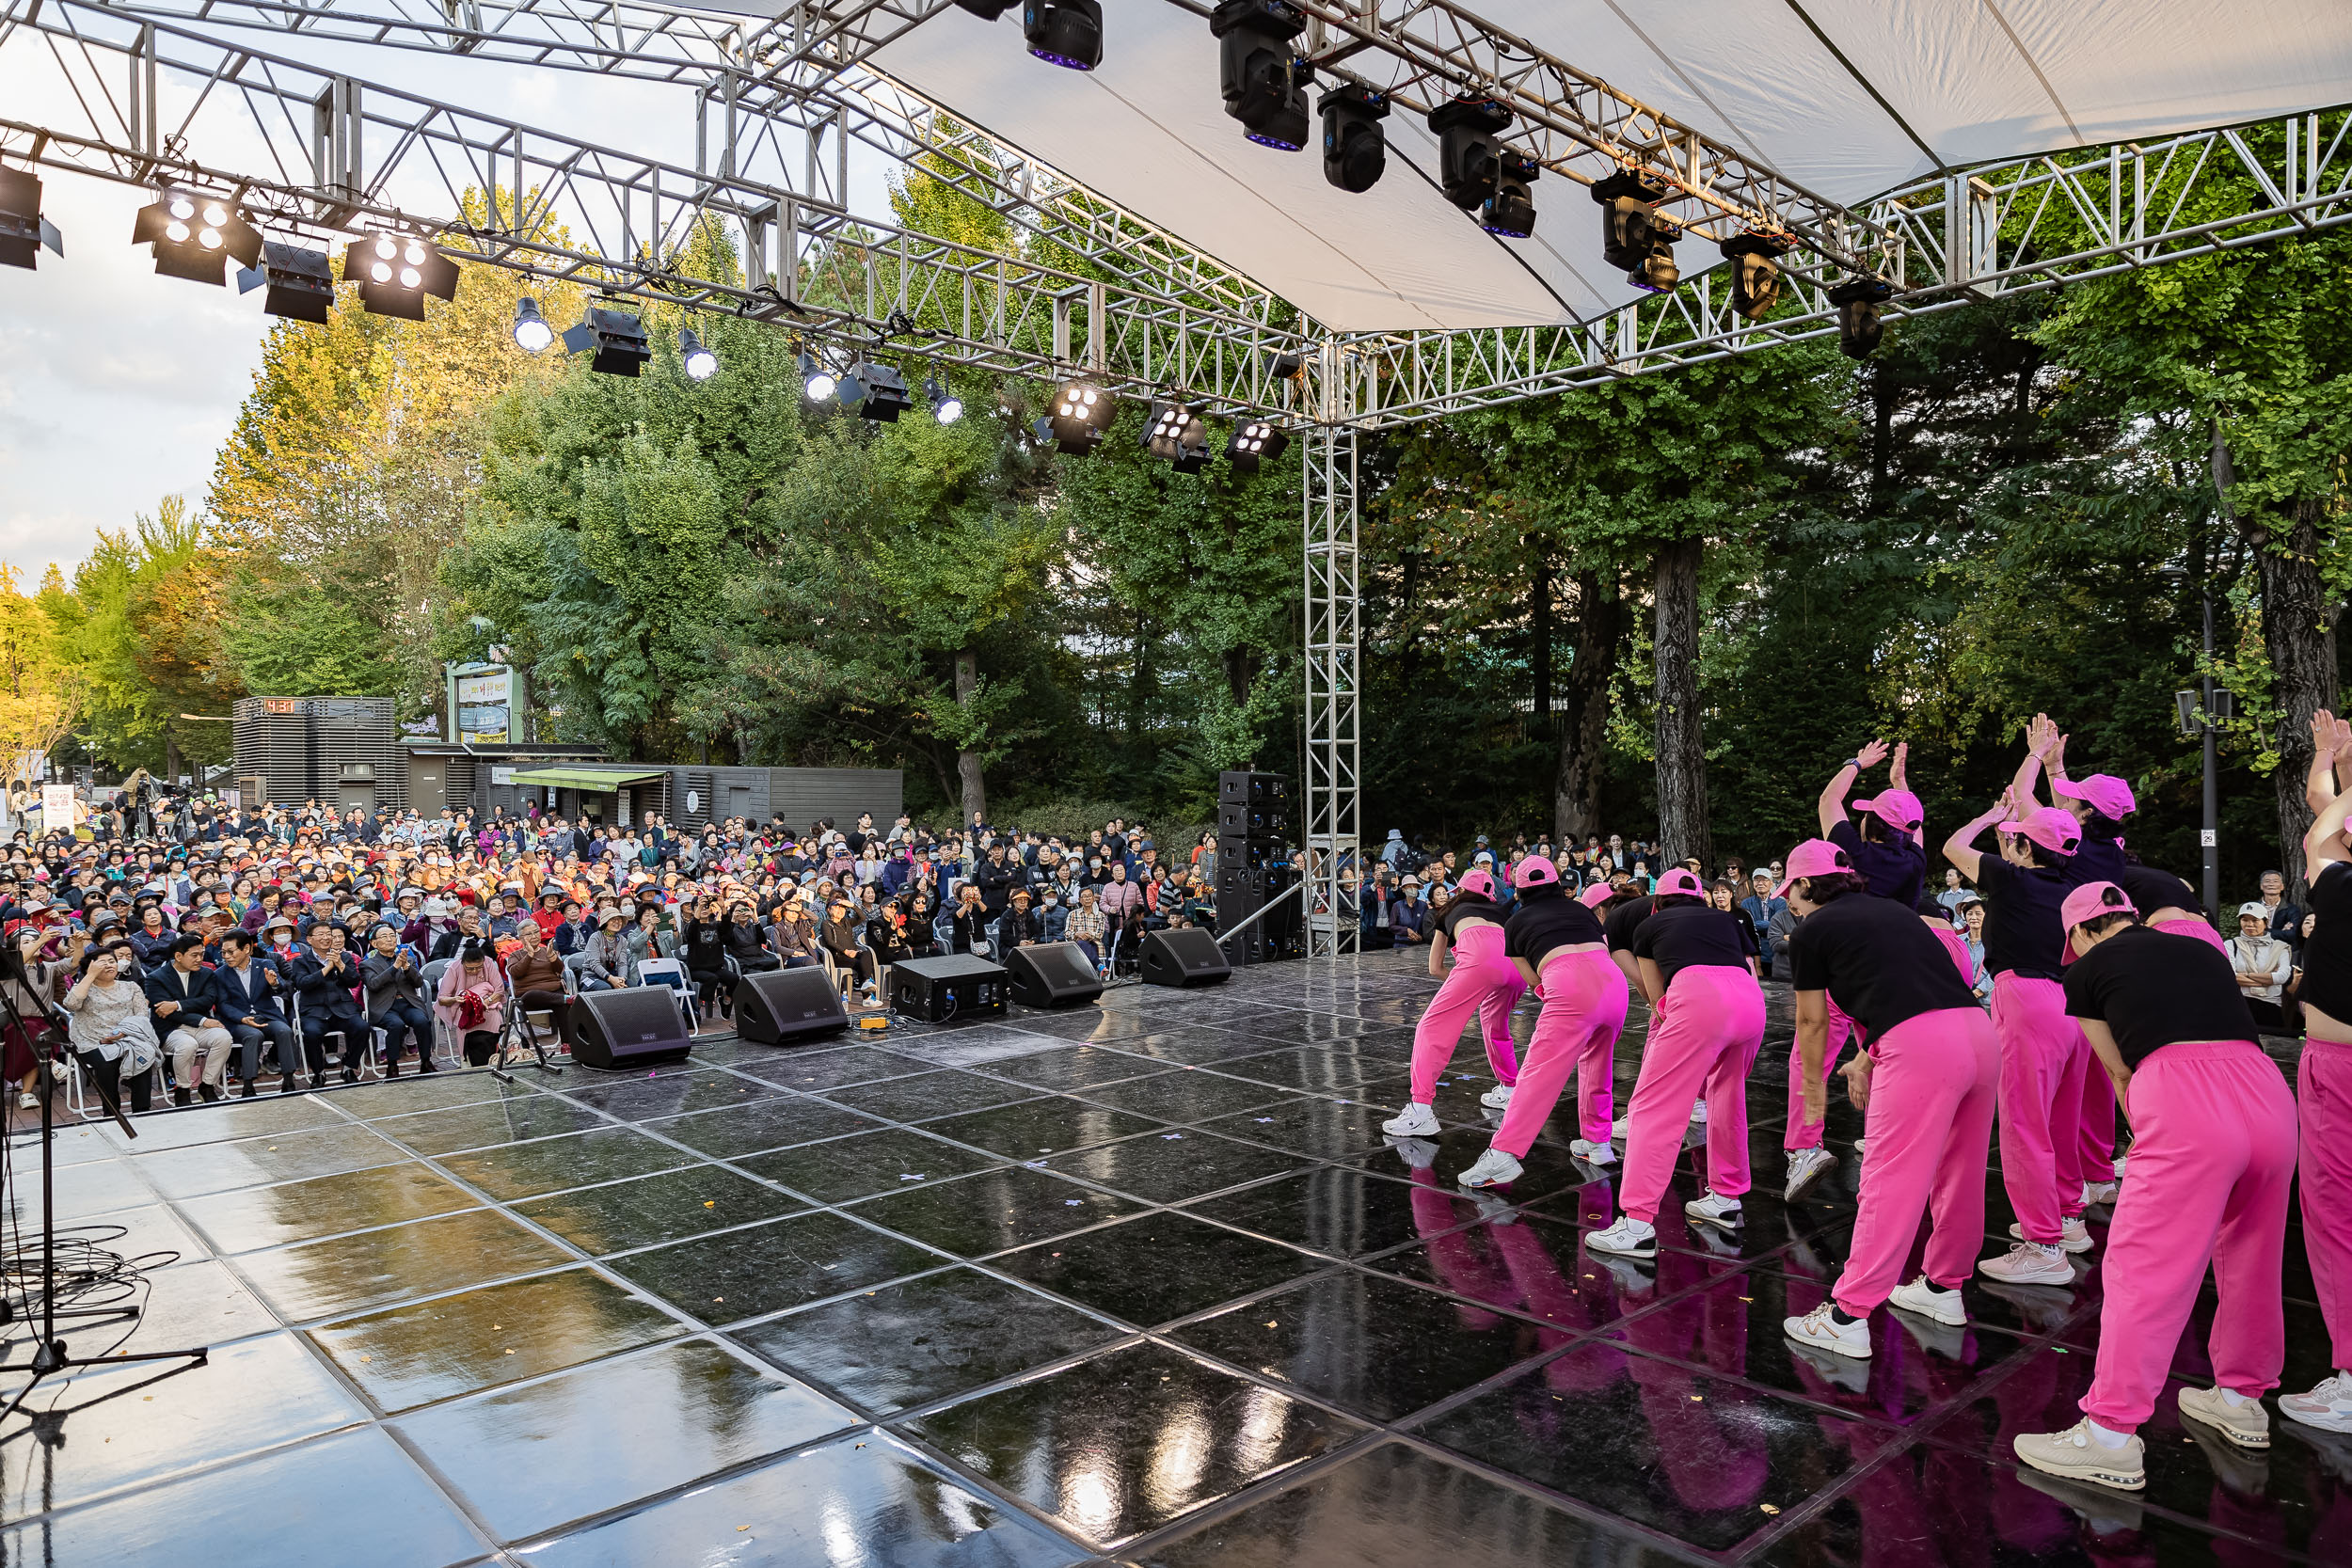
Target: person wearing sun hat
(2211, 1173)
(1557, 945)
(1484, 982)
(1697, 965)
(1927, 1082)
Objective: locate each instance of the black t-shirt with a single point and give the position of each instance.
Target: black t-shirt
(1625, 921)
(1469, 906)
(2022, 930)
(1878, 960)
(1890, 869)
(2328, 957)
(2097, 860)
(1692, 936)
(2150, 989)
(2151, 889)
(1545, 922)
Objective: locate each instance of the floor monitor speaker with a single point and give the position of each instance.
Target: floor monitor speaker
(955, 985)
(1052, 974)
(639, 1026)
(785, 1006)
(1185, 956)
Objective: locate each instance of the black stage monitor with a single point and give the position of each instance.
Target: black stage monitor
(639, 1026)
(1052, 974)
(1185, 956)
(785, 1006)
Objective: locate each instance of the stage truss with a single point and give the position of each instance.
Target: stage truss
(242, 97)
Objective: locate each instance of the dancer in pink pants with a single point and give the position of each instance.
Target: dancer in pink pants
(1556, 943)
(1698, 971)
(1884, 848)
(1483, 982)
(2209, 1181)
(2042, 1050)
(1927, 1082)
(2323, 1081)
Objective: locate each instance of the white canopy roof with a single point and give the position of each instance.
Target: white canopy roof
(1846, 98)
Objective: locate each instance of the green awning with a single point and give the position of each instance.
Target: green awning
(582, 778)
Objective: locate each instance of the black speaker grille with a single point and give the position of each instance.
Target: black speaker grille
(636, 1017)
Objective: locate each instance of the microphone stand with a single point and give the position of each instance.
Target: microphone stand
(510, 1024)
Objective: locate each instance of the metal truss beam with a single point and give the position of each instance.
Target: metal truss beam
(1334, 716)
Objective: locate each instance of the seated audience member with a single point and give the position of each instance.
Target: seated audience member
(111, 1028)
(325, 982)
(472, 1000)
(179, 993)
(393, 981)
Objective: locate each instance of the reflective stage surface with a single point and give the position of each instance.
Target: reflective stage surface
(1139, 1284)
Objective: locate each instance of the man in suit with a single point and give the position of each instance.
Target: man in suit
(245, 992)
(179, 993)
(323, 979)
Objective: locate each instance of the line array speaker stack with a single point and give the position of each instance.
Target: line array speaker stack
(1254, 866)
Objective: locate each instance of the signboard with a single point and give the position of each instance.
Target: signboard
(501, 775)
(482, 707)
(281, 704)
(56, 807)
(230, 799)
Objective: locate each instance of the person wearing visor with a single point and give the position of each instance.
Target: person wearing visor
(2043, 1052)
(1926, 1081)
(1555, 942)
(1484, 982)
(2211, 1170)
(1885, 850)
(1697, 965)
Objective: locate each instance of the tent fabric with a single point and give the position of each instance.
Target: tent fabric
(1846, 98)
(583, 778)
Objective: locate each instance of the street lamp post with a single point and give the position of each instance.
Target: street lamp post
(2202, 712)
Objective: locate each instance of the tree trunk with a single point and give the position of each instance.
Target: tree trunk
(1539, 639)
(968, 760)
(1585, 713)
(171, 756)
(2299, 633)
(1681, 750)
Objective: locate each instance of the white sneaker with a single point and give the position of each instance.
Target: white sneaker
(2118, 1164)
(1712, 1209)
(2072, 1236)
(1593, 1154)
(2327, 1406)
(2075, 1455)
(1628, 1238)
(1807, 1167)
(1862, 1146)
(2101, 1192)
(1497, 1099)
(1919, 1296)
(1698, 1113)
(1493, 1168)
(1621, 1128)
(2247, 1425)
(1415, 1121)
(2028, 1263)
(28, 1100)
(1819, 1329)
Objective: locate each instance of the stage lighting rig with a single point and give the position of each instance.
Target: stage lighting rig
(1259, 73)
(1253, 442)
(945, 407)
(615, 338)
(194, 234)
(396, 271)
(1355, 149)
(1066, 32)
(1858, 325)
(1475, 169)
(1082, 412)
(817, 383)
(699, 363)
(1755, 273)
(876, 391)
(1628, 216)
(532, 332)
(1177, 433)
(1658, 273)
(301, 283)
(23, 230)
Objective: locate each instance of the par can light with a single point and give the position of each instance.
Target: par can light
(194, 236)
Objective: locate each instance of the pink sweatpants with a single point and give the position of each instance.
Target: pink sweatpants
(1931, 1135)
(2211, 1168)
(1702, 1038)
(1800, 1132)
(1584, 1004)
(2323, 1098)
(1481, 981)
(2201, 930)
(2042, 1053)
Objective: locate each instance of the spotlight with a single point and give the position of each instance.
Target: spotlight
(23, 230)
(532, 332)
(1355, 149)
(1475, 169)
(1858, 325)
(1658, 272)
(876, 391)
(1627, 217)
(1081, 413)
(1284, 365)
(1066, 32)
(396, 271)
(701, 364)
(1177, 433)
(1755, 273)
(194, 236)
(817, 381)
(945, 407)
(615, 338)
(1262, 82)
(301, 282)
(1254, 441)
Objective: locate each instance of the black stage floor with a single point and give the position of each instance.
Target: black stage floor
(1141, 1285)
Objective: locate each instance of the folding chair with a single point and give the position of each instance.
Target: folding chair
(672, 973)
(430, 975)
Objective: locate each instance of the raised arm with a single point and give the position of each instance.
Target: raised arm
(1900, 775)
(2323, 844)
(2319, 783)
(1961, 849)
(2041, 737)
(1832, 809)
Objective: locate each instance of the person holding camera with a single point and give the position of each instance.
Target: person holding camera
(110, 1029)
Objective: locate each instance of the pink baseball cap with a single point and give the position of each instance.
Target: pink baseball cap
(1681, 880)
(2108, 795)
(2088, 902)
(1478, 881)
(2052, 827)
(1815, 857)
(1595, 896)
(1897, 808)
(1534, 871)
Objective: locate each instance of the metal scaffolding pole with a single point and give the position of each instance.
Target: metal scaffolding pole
(1334, 692)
